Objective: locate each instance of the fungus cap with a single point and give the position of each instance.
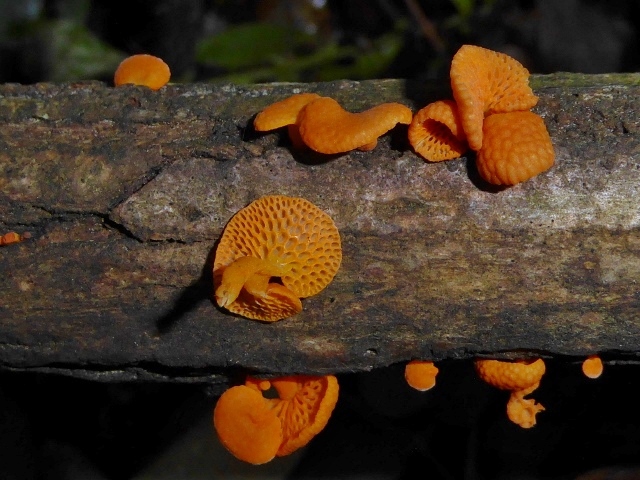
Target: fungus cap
(484, 82)
(436, 132)
(247, 425)
(516, 147)
(304, 407)
(294, 236)
(10, 237)
(592, 366)
(328, 128)
(420, 374)
(142, 69)
(282, 113)
(507, 375)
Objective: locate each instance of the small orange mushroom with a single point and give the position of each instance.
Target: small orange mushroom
(10, 238)
(421, 374)
(142, 69)
(517, 146)
(328, 128)
(484, 82)
(592, 366)
(436, 132)
(245, 420)
(272, 253)
(520, 378)
(246, 425)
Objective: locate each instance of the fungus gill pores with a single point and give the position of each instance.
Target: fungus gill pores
(272, 253)
(256, 429)
(520, 377)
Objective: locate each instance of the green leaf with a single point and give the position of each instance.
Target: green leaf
(248, 45)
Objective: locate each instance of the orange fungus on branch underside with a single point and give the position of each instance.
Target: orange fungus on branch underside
(421, 374)
(592, 366)
(142, 69)
(436, 133)
(485, 82)
(520, 378)
(328, 128)
(272, 253)
(255, 429)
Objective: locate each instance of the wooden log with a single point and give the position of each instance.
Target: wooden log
(125, 191)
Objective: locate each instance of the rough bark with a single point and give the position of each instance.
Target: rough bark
(125, 192)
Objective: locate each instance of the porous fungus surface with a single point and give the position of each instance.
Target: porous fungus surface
(436, 132)
(290, 232)
(484, 82)
(516, 147)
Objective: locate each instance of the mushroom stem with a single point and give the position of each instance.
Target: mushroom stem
(251, 273)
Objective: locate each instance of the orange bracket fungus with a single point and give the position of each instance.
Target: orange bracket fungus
(272, 253)
(421, 374)
(517, 147)
(520, 378)
(436, 132)
(592, 366)
(142, 69)
(328, 128)
(486, 82)
(256, 429)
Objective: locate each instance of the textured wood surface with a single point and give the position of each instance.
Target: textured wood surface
(125, 192)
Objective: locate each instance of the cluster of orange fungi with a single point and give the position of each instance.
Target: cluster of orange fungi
(256, 429)
(12, 237)
(490, 114)
(142, 69)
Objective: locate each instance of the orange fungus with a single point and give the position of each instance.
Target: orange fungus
(328, 128)
(592, 366)
(484, 82)
(255, 429)
(436, 133)
(520, 378)
(142, 69)
(517, 147)
(272, 253)
(421, 374)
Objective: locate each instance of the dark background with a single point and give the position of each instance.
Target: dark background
(63, 428)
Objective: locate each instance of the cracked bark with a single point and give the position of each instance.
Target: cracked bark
(125, 192)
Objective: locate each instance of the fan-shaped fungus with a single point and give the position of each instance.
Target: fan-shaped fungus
(436, 132)
(273, 252)
(245, 421)
(486, 82)
(520, 378)
(517, 146)
(328, 128)
(592, 366)
(421, 374)
(142, 69)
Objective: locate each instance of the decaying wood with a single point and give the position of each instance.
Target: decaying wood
(125, 192)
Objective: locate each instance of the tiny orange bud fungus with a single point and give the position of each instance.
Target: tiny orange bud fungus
(592, 366)
(142, 69)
